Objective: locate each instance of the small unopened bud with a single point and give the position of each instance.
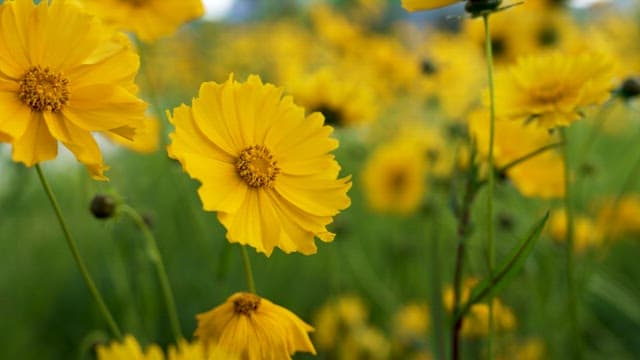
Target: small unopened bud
(103, 206)
(630, 88)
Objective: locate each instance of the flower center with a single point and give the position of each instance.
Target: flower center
(246, 304)
(257, 167)
(43, 89)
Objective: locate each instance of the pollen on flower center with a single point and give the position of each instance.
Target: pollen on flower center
(246, 304)
(43, 89)
(257, 167)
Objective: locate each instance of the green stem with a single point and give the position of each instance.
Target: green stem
(247, 269)
(491, 175)
(568, 206)
(113, 326)
(156, 259)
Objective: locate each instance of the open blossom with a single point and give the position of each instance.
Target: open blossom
(62, 77)
(264, 167)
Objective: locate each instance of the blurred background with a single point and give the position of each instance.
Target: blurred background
(401, 90)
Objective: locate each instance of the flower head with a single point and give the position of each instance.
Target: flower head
(264, 167)
(254, 328)
(62, 76)
(551, 89)
(148, 19)
(394, 177)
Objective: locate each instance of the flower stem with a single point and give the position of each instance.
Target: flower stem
(491, 174)
(571, 286)
(156, 259)
(247, 269)
(113, 326)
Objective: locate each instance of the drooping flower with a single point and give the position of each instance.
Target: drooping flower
(254, 328)
(63, 76)
(148, 19)
(265, 168)
(551, 89)
(394, 178)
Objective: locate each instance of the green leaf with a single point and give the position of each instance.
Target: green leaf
(507, 269)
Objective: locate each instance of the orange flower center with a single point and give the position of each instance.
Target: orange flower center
(43, 90)
(257, 167)
(246, 304)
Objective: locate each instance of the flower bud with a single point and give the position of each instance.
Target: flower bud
(102, 206)
(630, 88)
(477, 7)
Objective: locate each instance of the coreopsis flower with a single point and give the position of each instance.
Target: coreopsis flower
(394, 177)
(148, 19)
(552, 89)
(264, 167)
(411, 323)
(586, 233)
(129, 349)
(619, 217)
(254, 328)
(62, 76)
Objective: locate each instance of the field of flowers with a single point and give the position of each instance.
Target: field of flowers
(338, 179)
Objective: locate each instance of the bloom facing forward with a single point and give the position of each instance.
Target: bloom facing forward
(148, 19)
(264, 167)
(551, 89)
(254, 328)
(62, 76)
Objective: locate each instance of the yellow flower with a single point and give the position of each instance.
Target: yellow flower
(148, 19)
(337, 318)
(196, 350)
(476, 322)
(62, 76)
(539, 176)
(617, 218)
(394, 178)
(551, 89)
(417, 5)
(265, 168)
(411, 323)
(586, 234)
(129, 349)
(254, 328)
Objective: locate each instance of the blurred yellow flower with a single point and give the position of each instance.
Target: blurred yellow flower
(411, 323)
(338, 317)
(551, 89)
(265, 168)
(129, 349)
(586, 234)
(530, 349)
(254, 328)
(196, 350)
(62, 76)
(148, 19)
(341, 99)
(618, 218)
(476, 322)
(539, 176)
(394, 177)
(417, 5)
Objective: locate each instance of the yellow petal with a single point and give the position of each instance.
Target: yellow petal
(417, 5)
(36, 144)
(15, 115)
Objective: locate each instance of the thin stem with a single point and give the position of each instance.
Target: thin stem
(491, 175)
(247, 269)
(88, 280)
(156, 260)
(568, 206)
